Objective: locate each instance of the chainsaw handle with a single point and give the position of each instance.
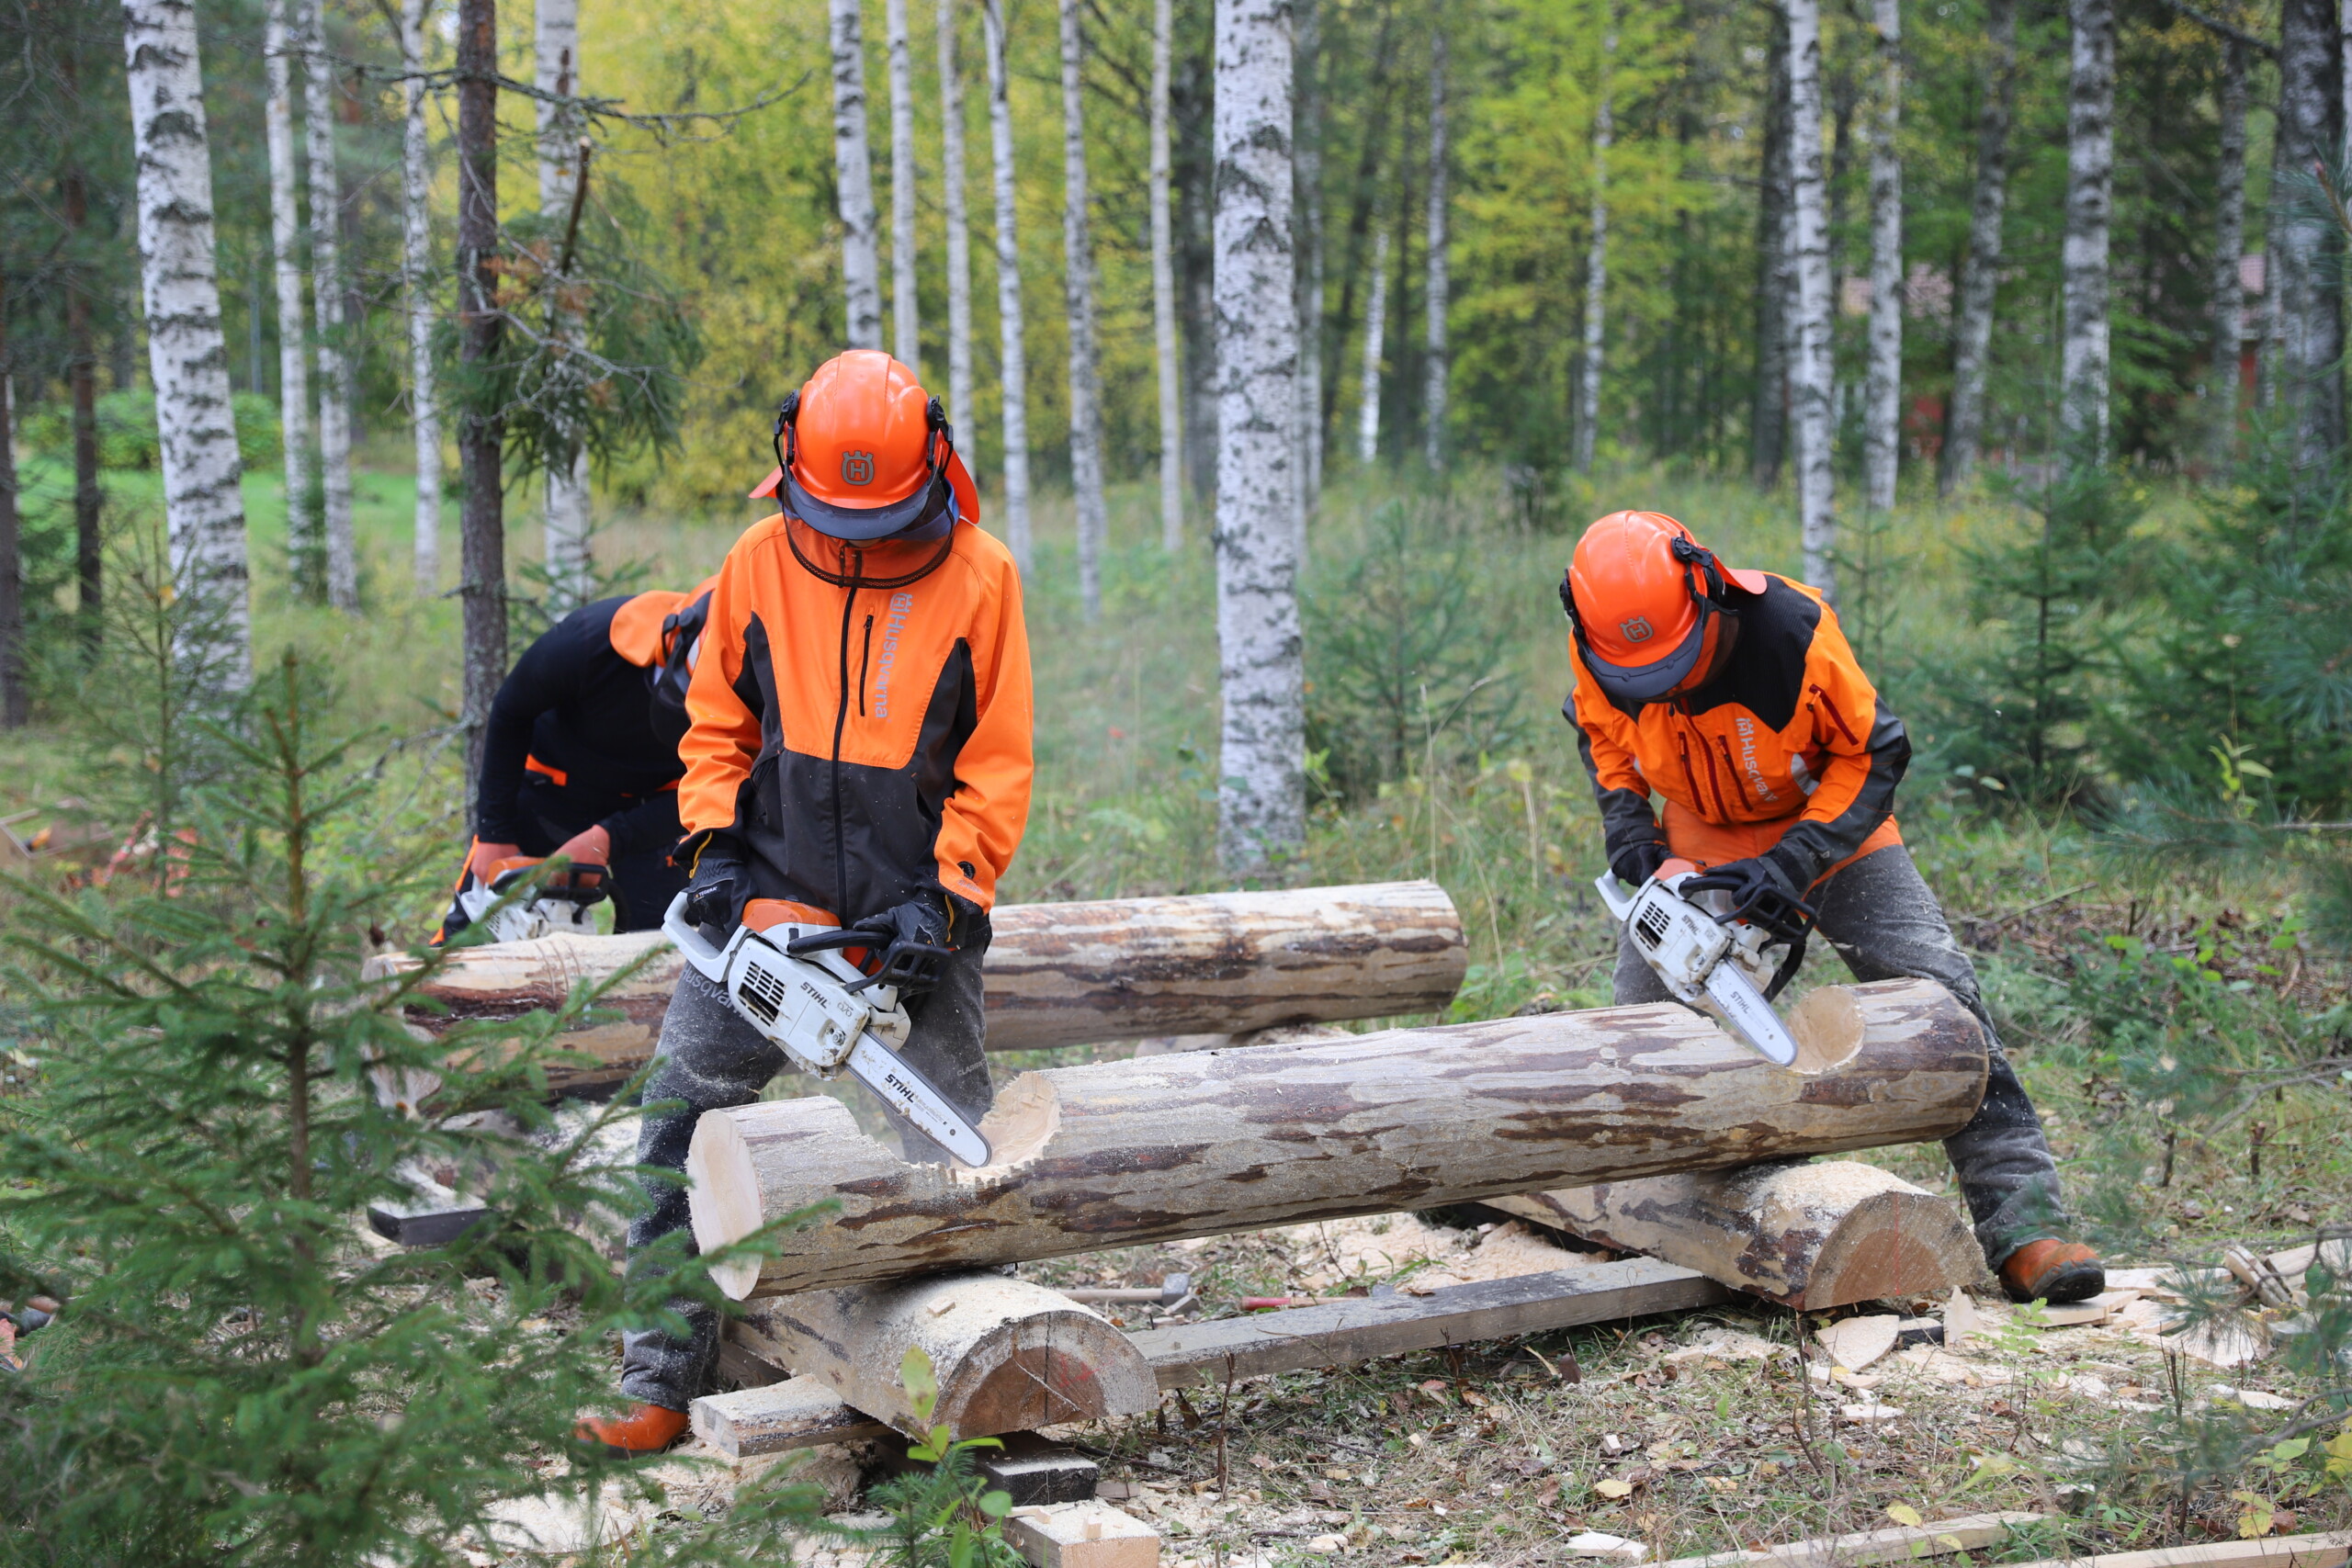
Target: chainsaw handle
(1613, 897)
(708, 961)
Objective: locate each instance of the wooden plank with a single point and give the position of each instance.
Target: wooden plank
(799, 1412)
(2326, 1550)
(1082, 1535)
(1893, 1545)
(1358, 1329)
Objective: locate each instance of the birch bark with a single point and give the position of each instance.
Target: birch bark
(1980, 270)
(959, 233)
(1013, 357)
(1768, 424)
(327, 306)
(2309, 290)
(481, 583)
(906, 322)
(1077, 295)
(1882, 392)
(416, 262)
(1434, 370)
(1307, 186)
(1810, 368)
(1376, 324)
(2090, 177)
(2229, 246)
(1262, 798)
(556, 52)
(1596, 272)
(1163, 285)
(306, 552)
(853, 178)
(186, 356)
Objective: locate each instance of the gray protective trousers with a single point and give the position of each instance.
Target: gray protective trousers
(1886, 924)
(710, 1058)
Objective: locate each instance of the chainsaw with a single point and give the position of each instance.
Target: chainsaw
(1730, 962)
(559, 908)
(793, 985)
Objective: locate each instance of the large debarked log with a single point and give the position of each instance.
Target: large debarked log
(1056, 974)
(1207, 1143)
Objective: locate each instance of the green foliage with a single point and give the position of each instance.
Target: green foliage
(236, 1374)
(127, 438)
(1406, 656)
(944, 1516)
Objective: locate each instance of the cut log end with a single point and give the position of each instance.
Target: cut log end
(1827, 1026)
(1024, 1118)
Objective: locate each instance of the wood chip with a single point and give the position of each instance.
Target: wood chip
(1856, 1342)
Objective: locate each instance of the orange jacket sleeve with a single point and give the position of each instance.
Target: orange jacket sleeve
(723, 715)
(981, 823)
(1618, 786)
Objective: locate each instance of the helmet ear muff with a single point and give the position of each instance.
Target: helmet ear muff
(787, 429)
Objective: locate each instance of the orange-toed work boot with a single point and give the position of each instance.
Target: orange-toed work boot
(644, 1429)
(2052, 1271)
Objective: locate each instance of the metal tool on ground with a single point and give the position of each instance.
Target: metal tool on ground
(1172, 1295)
(1723, 958)
(792, 982)
(558, 907)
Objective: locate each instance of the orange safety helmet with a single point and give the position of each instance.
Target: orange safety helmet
(1640, 592)
(863, 453)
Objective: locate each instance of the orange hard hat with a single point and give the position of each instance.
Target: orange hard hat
(863, 453)
(1640, 592)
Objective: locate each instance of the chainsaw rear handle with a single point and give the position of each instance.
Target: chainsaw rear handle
(1619, 900)
(709, 962)
(575, 887)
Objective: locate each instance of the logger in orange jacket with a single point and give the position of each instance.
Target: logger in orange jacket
(859, 755)
(1734, 697)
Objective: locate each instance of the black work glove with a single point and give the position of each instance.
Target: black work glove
(910, 943)
(718, 888)
(1636, 862)
(1762, 891)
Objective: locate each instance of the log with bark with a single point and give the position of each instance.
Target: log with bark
(1056, 974)
(1207, 1143)
(1007, 1355)
(1806, 1236)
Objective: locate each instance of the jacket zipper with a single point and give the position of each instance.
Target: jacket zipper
(841, 721)
(1835, 717)
(1698, 797)
(1737, 787)
(865, 663)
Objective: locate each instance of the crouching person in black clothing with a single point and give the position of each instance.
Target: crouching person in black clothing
(580, 757)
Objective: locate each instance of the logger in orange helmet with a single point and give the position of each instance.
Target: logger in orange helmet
(858, 755)
(1733, 695)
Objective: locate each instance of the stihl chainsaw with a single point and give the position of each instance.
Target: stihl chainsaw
(1726, 960)
(791, 983)
(559, 908)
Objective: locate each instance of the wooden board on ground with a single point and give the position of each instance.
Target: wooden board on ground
(1896, 1544)
(1120, 1154)
(1056, 974)
(1081, 1535)
(798, 1413)
(1811, 1235)
(2328, 1551)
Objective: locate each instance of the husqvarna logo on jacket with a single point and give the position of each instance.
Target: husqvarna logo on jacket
(858, 467)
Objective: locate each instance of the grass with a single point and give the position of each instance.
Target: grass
(1125, 803)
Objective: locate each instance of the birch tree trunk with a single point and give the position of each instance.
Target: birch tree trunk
(15, 705)
(1013, 358)
(1434, 370)
(556, 27)
(1596, 272)
(327, 306)
(1306, 188)
(2090, 178)
(1980, 270)
(416, 262)
(481, 583)
(306, 552)
(1077, 295)
(1375, 325)
(1262, 804)
(1768, 424)
(2309, 288)
(1163, 287)
(906, 322)
(959, 233)
(186, 356)
(1882, 394)
(2229, 246)
(1810, 369)
(853, 178)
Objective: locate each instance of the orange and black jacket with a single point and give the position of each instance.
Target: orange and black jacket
(1788, 753)
(584, 731)
(861, 721)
